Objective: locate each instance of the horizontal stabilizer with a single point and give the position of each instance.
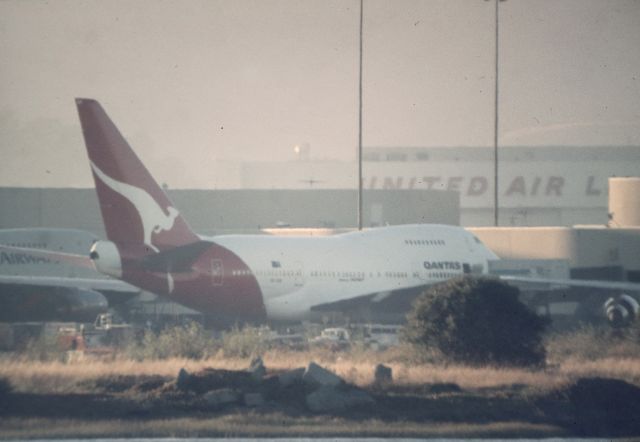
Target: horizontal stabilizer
(178, 259)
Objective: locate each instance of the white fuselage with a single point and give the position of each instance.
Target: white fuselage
(297, 273)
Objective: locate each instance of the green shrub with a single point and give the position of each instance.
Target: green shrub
(476, 321)
(190, 341)
(245, 342)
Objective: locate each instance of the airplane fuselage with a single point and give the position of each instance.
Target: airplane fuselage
(282, 278)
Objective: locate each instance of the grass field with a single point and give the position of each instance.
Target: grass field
(275, 425)
(494, 401)
(63, 377)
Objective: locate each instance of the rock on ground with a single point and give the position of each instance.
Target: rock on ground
(291, 377)
(382, 374)
(257, 369)
(221, 397)
(316, 375)
(605, 407)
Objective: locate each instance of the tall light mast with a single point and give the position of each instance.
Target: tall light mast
(360, 126)
(496, 204)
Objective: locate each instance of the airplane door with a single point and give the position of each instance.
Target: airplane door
(217, 272)
(298, 280)
(419, 271)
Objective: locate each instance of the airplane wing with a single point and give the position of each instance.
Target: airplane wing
(20, 253)
(393, 303)
(97, 284)
(28, 298)
(588, 283)
(399, 302)
(43, 289)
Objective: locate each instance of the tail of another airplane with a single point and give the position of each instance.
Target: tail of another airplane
(134, 208)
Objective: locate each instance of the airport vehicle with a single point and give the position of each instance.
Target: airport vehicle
(252, 277)
(335, 338)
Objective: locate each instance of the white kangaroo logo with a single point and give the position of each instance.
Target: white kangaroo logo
(154, 219)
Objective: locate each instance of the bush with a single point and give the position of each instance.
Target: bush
(189, 341)
(476, 321)
(245, 342)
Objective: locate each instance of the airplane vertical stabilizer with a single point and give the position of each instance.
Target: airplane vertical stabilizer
(134, 208)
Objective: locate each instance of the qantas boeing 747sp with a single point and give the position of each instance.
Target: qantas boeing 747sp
(252, 277)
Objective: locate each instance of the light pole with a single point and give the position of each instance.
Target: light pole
(495, 118)
(360, 125)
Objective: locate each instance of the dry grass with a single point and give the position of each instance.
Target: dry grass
(627, 369)
(60, 377)
(275, 425)
(584, 353)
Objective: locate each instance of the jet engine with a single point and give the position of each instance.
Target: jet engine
(621, 310)
(106, 258)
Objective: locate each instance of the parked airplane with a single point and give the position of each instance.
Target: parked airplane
(253, 277)
(43, 288)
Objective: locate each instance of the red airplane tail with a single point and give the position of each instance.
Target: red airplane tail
(135, 210)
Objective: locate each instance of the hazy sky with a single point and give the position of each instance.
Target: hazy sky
(191, 82)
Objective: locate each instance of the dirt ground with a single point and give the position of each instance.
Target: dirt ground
(147, 406)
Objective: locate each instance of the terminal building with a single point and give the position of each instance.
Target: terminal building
(608, 251)
(537, 186)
